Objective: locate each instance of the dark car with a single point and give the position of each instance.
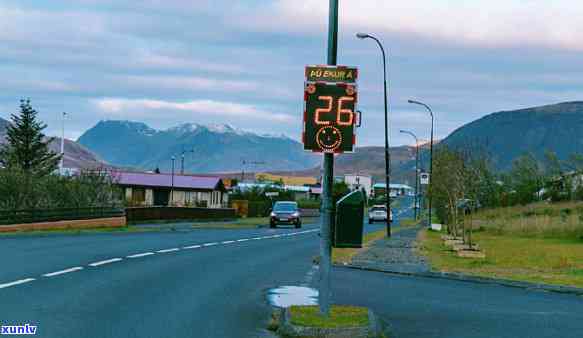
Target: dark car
(285, 213)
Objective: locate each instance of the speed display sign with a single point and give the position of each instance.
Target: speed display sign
(330, 96)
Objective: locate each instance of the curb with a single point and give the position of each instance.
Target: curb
(475, 279)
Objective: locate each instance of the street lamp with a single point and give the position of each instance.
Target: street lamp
(387, 155)
(416, 167)
(430, 156)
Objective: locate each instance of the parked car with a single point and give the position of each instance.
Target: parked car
(285, 212)
(379, 213)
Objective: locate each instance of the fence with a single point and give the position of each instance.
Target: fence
(177, 213)
(53, 215)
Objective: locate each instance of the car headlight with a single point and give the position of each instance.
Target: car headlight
(272, 214)
(296, 214)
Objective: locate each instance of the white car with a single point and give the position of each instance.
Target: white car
(378, 213)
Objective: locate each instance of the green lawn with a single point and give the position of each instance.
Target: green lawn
(543, 260)
(340, 316)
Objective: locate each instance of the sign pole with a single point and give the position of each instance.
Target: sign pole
(324, 293)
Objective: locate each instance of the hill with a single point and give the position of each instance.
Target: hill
(212, 148)
(506, 135)
(76, 156)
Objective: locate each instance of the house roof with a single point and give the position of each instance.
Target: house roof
(165, 180)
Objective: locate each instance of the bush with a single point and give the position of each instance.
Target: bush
(309, 204)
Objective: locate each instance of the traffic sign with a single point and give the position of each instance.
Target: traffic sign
(330, 97)
(424, 178)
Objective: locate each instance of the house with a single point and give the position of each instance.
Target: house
(395, 189)
(151, 189)
(357, 182)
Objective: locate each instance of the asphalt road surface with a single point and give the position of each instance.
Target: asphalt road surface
(213, 283)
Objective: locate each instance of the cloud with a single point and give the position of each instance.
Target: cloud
(140, 107)
(494, 23)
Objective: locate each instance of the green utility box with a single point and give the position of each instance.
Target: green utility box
(348, 230)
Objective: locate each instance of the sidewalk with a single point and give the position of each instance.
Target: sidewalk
(395, 254)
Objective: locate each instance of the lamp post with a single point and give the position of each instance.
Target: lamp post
(430, 156)
(387, 155)
(172, 184)
(416, 167)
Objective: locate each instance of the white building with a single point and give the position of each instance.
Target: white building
(357, 182)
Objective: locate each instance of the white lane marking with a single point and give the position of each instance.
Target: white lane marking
(113, 260)
(168, 250)
(243, 240)
(62, 272)
(141, 255)
(191, 247)
(210, 244)
(22, 281)
(227, 242)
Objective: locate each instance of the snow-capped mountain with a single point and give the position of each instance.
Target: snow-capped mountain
(207, 148)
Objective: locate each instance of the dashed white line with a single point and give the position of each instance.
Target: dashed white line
(191, 247)
(141, 255)
(62, 272)
(117, 259)
(113, 260)
(22, 281)
(168, 250)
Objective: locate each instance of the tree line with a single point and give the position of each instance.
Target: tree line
(464, 180)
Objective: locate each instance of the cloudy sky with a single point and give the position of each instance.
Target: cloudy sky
(166, 62)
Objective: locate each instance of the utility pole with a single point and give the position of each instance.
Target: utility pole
(328, 177)
(416, 168)
(182, 160)
(62, 161)
(172, 184)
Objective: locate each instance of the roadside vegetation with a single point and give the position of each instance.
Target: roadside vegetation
(29, 179)
(340, 316)
(528, 221)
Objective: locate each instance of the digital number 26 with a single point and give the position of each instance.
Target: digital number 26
(344, 117)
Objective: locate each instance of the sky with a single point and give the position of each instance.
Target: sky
(168, 62)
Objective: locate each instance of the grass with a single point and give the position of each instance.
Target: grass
(340, 316)
(543, 220)
(344, 255)
(557, 261)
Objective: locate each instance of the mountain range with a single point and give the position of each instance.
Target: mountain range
(502, 136)
(206, 149)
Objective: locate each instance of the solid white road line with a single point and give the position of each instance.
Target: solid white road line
(227, 242)
(168, 250)
(191, 247)
(210, 244)
(113, 260)
(62, 272)
(22, 281)
(141, 255)
(243, 240)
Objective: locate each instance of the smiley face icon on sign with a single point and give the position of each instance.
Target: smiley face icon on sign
(329, 138)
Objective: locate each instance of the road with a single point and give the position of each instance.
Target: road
(213, 283)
